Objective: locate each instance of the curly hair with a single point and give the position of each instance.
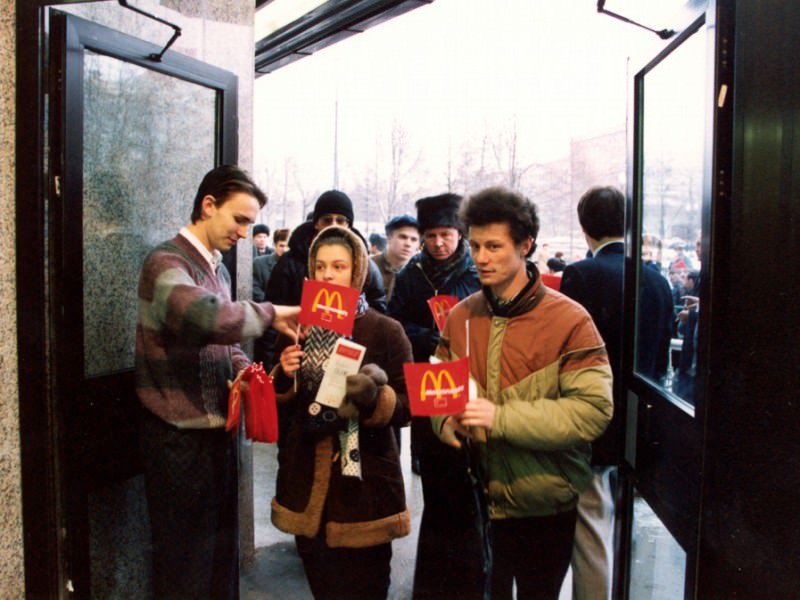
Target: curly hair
(501, 205)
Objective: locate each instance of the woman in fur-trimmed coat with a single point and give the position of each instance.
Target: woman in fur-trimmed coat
(340, 486)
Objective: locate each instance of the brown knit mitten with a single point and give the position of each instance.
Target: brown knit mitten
(361, 393)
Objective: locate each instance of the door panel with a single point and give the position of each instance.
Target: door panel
(671, 199)
(141, 159)
(130, 139)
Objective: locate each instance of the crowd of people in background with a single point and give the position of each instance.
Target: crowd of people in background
(516, 487)
(677, 261)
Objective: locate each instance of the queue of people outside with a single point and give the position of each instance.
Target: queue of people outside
(516, 487)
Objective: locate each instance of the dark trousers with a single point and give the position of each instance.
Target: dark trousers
(345, 573)
(191, 487)
(452, 560)
(535, 552)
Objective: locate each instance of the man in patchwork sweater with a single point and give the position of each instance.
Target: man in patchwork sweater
(187, 351)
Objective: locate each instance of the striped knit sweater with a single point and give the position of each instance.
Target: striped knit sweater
(187, 336)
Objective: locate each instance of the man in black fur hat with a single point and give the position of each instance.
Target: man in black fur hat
(261, 240)
(449, 554)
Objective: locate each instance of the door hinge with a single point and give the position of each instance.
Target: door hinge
(57, 185)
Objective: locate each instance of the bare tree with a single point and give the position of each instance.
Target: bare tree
(305, 198)
(400, 167)
(506, 154)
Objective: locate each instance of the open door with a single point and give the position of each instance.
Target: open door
(130, 136)
(669, 226)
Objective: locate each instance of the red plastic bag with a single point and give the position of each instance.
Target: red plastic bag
(260, 409)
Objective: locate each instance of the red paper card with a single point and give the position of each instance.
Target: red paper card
(328, 305)
(437, 388)
(440, 307)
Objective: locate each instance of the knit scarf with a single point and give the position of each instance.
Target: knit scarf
(318, 348)
(528, 297)
(440, 271)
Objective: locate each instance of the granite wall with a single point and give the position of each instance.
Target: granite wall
(219, 32)
(11, 552)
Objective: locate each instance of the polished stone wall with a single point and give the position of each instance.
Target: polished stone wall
(219, 32)
(11, 552)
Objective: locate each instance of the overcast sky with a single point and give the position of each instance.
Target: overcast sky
(450, 72)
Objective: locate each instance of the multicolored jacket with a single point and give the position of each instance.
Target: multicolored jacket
(544, 365)
(187, 336)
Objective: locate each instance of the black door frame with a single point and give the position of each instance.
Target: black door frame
(43, 186)
(665, 446)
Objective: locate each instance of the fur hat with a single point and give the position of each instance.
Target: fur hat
(438, 211)
(357, 248)
(333, 202)
(260, 228)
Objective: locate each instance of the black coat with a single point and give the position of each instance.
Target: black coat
(409, 303)
(262, 269)
(450, 554)
(285, 285)
(598, 283)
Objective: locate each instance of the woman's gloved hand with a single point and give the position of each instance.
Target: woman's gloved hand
(361, 392)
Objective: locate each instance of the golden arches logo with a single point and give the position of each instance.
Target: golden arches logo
(330, 298)
(436, 387)
(441, 310)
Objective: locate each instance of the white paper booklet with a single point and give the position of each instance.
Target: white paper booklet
(345, 360)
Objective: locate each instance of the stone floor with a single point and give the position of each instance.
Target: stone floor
(277, 573)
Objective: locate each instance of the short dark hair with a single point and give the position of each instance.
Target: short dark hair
(556, 264)
(377, 240)
(601, 212)
(220, 183)
(501, 205)
(281, 235)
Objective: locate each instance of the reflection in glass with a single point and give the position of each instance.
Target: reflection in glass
(673, 141)
(658, 563)
(148, 141)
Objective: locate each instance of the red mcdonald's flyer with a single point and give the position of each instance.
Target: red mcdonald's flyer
(440, 388)
(440, 307)
(328, 305)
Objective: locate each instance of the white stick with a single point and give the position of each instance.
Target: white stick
(296, 342)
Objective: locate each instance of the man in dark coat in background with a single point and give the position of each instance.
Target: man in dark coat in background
(286, 281)
(598, 284)
(449, 559)
(261, 240)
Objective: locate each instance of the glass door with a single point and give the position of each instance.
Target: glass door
(667, 300)
(130, 139)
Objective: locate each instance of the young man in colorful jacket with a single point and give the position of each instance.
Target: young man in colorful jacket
(543, 394)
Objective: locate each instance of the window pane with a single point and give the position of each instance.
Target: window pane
(148, 141)
(674, 133)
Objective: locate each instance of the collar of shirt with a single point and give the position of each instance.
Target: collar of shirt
(386, 265)
(213, 258)
(596, 250)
